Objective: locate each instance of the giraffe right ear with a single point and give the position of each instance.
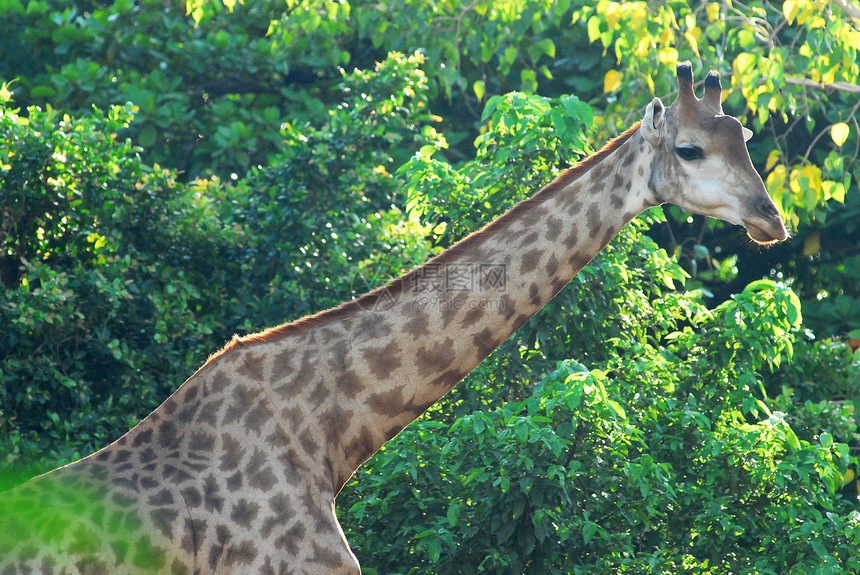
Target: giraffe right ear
(652, 123)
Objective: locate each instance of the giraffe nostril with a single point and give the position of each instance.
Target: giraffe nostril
(767, 209)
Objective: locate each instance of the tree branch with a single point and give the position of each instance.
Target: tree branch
(841, 86)
(850, 9)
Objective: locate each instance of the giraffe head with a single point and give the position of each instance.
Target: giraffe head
(702, 163)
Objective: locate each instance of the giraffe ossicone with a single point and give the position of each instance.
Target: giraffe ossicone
(238, 470)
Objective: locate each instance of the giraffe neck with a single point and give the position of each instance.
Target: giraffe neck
(404, 346)
(345, 381)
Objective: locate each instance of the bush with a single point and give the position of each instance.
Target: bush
(298, 260)
(105, 265)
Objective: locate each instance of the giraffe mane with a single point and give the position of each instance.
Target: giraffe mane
(404, 282)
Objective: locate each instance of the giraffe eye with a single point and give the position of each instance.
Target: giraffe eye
(689, 153)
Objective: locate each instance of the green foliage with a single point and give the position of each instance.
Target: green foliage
(527, 140)
(627, 428)
(819, 390)
(477, 49)
(222, 117)
(102, 307)
(343, 169)
(834, 290)
(266, 62)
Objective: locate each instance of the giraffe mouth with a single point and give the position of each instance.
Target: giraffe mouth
(766, 232)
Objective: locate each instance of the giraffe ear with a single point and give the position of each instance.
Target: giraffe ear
(652, 123)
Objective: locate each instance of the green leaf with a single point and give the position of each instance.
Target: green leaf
(616, 407)
(510, 55)
(593, 28)
(45, 92)
(478, 88)
(478, 425)
(760, 285)
(68, 382)
(763, 406)
(434, 549)
(588, 532)
(529, 80)
(547, 46)
(147, 136)
(521, 431)
(791, 439)
(428, 150)
(453, 514)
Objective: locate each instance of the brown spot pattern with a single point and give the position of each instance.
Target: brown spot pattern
(530, 261)
(383, 361)
(253, 364)
(434, 359)
(418, 325)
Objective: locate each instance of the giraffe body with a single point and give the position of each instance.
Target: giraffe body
(239, 469)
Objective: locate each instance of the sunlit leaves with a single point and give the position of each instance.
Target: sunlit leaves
(612, 80)
(525, 134)
(808, 185)
(202, 10)
(839, 133)
(790, 8)
(805, 182)
(744, 63)
(92, 286)
(771, 50)
(713, 11)
(479, 89)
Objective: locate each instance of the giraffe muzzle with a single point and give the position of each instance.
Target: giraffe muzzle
(766, 230)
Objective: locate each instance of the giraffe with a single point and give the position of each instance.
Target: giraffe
(239, 469)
